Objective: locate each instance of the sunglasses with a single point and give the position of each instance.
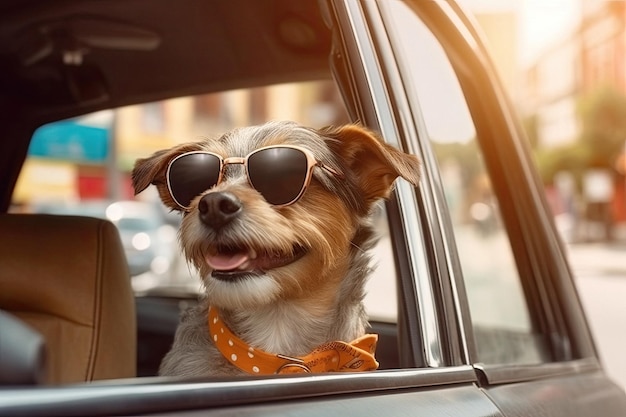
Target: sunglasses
(281, 173)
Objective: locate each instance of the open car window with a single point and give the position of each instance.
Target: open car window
(82, 166)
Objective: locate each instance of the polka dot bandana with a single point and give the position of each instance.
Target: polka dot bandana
(338, 356)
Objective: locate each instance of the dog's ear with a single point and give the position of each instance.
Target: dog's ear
(151, 170)
(374, 163)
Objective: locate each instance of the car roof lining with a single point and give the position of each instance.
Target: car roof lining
(136, 51)
(202, 46)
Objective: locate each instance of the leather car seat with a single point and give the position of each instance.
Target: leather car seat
(67, 278)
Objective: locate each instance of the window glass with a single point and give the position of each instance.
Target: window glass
(82, 166)
(502, 324)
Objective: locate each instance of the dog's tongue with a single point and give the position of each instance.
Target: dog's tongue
(226, 262)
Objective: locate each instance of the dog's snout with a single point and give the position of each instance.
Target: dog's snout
(218, 209)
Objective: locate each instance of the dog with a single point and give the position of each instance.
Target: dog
(276, 219)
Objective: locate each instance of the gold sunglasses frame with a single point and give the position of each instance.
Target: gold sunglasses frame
(311, 161)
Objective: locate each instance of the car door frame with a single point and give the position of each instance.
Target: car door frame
(414, 213)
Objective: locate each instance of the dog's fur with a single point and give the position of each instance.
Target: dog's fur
(318, 297)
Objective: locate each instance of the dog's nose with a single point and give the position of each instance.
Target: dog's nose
(218, 209)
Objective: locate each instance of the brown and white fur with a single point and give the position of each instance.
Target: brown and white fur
(316, 298)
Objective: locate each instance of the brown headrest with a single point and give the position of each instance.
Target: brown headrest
(67, 276)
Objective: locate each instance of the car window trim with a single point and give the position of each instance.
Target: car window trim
(365, 109)
(507, 373)
(450, 304)
(157, 394)
(412, 203)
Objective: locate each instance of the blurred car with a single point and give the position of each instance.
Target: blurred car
(470, 323)
(150, 244)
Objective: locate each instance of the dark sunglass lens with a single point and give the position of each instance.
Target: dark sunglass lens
(192, 174)
(278, 173)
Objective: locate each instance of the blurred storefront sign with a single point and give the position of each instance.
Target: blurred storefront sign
(67, 161)
(71, 141)
(45, 180)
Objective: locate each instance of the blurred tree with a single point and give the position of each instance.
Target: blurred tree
(466, 156)
(572, 157)
(603, 117)
(602, 114)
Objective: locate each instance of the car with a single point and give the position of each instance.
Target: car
(473, 297)
(148, 240)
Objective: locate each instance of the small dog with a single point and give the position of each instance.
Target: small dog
(276, 220)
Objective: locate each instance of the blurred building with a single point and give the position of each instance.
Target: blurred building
(144, 129)
(603, 44)
(550, 90)
(589, 57)
(592, 55)
(104, 146)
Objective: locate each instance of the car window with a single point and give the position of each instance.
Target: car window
(504, 330)
(82, 166)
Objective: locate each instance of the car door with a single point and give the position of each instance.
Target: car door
(503, 289)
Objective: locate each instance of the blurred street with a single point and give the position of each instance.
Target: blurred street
(562, 61)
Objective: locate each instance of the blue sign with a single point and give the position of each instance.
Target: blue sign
(71, 141)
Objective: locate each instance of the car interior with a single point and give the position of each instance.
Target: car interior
(472, 298)
(65, 283)
(76, 295)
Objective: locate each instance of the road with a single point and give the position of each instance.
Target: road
(600, 272)
(600, 275)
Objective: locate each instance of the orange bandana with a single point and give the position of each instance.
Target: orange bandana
(357, 355)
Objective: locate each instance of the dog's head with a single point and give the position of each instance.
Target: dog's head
(279, 219)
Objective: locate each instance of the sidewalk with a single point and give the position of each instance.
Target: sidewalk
(598, 258)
